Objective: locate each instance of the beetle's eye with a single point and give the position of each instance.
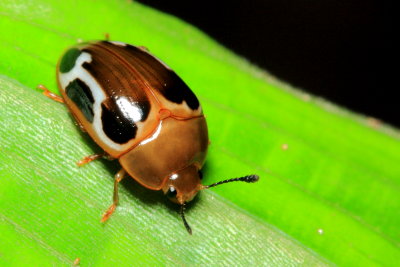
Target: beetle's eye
(200, 174)
(171, 192)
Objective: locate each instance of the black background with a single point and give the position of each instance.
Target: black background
(340, 50)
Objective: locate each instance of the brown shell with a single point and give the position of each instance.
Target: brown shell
(138, 110)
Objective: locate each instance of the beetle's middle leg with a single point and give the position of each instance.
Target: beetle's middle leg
(118, 177)
(90, 158)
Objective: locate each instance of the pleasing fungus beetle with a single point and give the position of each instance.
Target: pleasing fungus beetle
(139, 112)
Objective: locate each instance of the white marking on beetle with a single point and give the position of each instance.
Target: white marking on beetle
(130, 109)
(117, 43)
(154, 136)
(79, 72)
(173, 176)
(320, 231)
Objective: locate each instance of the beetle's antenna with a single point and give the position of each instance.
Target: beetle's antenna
(182, 213)
(248, 179)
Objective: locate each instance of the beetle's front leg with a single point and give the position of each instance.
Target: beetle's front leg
(118, 177)
(90, 158)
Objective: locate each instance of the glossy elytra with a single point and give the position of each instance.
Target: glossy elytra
(139, 112)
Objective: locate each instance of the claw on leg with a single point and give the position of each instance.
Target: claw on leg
(143, 48)
(108, 213)
(49, 94)
(90, 158)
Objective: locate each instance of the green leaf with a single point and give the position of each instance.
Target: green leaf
(51, 209)
(330, 181)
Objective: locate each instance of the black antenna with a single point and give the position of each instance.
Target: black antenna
(182, 213)
(248, 179)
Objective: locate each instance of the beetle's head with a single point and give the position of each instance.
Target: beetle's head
(183, 185)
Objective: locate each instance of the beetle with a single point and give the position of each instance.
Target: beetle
(139, 111)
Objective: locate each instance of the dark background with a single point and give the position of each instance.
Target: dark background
(340, 50)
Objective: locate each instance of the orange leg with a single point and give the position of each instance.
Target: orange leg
(90, 158)
(143, 48)
(49, 94)
(118, 177)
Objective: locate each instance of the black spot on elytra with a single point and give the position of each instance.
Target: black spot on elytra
(171, 86)
(69, 59)
(116, 126)
(145, 108)
(177, 91)
(81, 95)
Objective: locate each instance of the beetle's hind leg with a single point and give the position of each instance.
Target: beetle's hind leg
(118, 177)
(49, 94)
(90, 158)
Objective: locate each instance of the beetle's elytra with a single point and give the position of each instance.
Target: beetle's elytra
(139, 112)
